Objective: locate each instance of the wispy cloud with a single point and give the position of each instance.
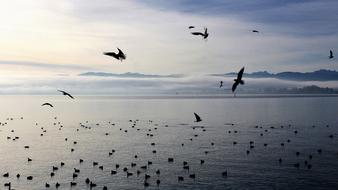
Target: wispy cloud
(43, 65)
(197, 84)
(130, 75)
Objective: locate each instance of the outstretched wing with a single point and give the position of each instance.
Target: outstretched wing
(112, 54)
(47, 104)
(331, 53)
(63, 92)
(234, 86)
(109, 53)
(240, 74)
(121, 54)
(198, 118)
(197, 33)
(190, 27)
(70, 95)
(120, 51)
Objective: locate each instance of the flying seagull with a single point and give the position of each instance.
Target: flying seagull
(190, 27)
(66, 94)
(47, 104)
(204, 35)
(119, 56)
(198, 118)
(221, 84)
(238, 80)
(331, 54)
(256, 31)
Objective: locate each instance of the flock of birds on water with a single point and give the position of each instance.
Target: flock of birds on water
(142, 171)
(136, 168)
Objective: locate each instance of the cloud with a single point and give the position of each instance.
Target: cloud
(98, 85)
(42, 65)
(129, 75)
(68, 37)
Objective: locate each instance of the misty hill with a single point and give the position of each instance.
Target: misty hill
(129, 75)
(320, 75)
(313, 89)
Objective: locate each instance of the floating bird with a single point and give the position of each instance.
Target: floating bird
(47, 104)
(119, 56)
(204, 35)
(331, 55)
(8, 185)
(221, 84)
(180, 178)
(255, 31)
(66, 94)
(238, 80)
(198, 118)
(191, 27)
(87, 180)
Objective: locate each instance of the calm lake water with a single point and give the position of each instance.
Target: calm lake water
(269, 121)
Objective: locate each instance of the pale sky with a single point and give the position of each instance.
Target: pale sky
(60, 39)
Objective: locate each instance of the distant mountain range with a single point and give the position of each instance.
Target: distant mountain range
(129, 75)
(319, 75)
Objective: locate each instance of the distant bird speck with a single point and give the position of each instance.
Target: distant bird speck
(331, 55)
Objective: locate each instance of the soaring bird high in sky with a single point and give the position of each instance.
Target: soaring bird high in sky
(204, 35)
(66, 94)
(238, 80)
(119, 56)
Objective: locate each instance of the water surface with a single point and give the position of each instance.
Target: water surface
(276, 118)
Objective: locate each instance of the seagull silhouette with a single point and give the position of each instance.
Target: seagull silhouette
(256, 31)
(331, 54)
(221, 84)
(238, 80)
(47, 104)
(66, 94)
(119, 56)
(198, 118)
(190, 27)
(204, 35)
